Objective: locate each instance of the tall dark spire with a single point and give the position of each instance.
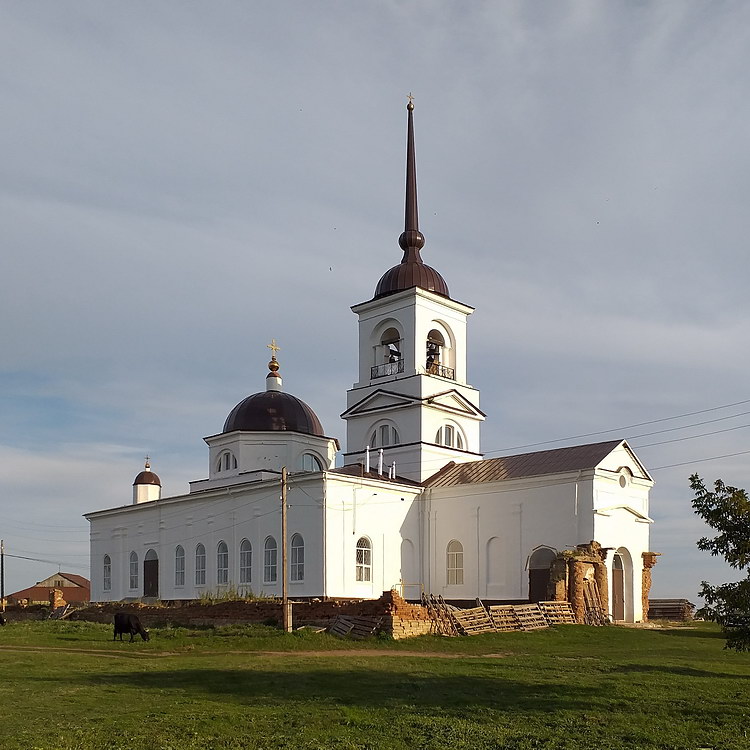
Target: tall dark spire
(411, 272)
(412, 240)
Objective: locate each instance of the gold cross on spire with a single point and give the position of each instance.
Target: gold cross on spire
(410, 98)
(272, 346)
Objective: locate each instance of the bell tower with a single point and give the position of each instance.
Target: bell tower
(412, 399)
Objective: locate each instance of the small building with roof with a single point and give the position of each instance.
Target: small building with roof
(415, 504)
(75, 590)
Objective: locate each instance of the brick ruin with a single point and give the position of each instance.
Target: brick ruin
(572, 568)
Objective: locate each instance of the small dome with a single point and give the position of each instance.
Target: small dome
(272, 411)
(147, 477)
(409, 274)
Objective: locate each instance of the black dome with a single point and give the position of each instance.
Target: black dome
(272, 411)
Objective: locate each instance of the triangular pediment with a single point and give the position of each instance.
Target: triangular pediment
(454, 402)
(450, 401)
(380, 400)
(623, 457)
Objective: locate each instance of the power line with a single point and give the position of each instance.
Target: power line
(630, 426)
(701, 460)
(693, 437)
(59, 563)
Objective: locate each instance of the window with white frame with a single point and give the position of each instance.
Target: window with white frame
(455, 563)
(269, 560)
(246, 561)
(383, 436)
(310, 462)
(297, 560)
(450, 436)
(133, 582)
(107, 573)
(179, 565)
(363, 570)
(222, 563)
(226, 461)
(200, 565)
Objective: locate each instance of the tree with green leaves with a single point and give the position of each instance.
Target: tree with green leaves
(727, 510)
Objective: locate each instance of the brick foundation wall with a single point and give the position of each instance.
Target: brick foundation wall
(401, 618)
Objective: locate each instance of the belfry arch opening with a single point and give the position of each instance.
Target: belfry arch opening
(389, 357)
(439, 353)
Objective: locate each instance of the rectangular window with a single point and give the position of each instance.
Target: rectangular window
(134, 573)
(246, 564)
(364, 564)
(455, 568)
(200, 569)
(269, 565)
(222, 568)
(298, 564)
(179, 570)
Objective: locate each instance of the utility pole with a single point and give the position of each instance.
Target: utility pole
(2, 574)
(286, 606)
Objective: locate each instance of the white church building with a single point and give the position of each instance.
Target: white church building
(415, 505)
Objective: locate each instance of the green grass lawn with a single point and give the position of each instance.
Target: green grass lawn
(67, 685)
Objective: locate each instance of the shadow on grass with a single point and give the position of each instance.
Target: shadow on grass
(690, 633)
(355, 687)
(681, 671)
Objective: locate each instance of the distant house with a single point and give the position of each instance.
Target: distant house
(74, 589)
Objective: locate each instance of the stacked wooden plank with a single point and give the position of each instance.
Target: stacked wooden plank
(676, 610)
(504, 617)
(473, 621)
(441, 614)
(354, 627)
(593, 614)
(557, 613)
(530, 617)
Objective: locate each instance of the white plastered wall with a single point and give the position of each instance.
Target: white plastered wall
(249, 511)
(386, 514)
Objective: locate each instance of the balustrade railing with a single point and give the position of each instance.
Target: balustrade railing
(441, 370)
(388, 368)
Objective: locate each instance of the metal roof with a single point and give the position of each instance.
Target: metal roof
(557, 461)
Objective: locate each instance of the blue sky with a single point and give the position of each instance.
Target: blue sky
(183, 182)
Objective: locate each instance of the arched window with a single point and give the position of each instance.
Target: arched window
(222, 563)
(179, 565)
(454, 563)
(107, 573)
(310, 462)
(364, 560)
(383, 436)
(200, 565)
(133, 582)
(246, 561)
(297, 571)
(269, 560)
(450, 436)
(226, 461)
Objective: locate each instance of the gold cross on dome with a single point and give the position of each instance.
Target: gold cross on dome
(410, 98)
(148, 459)
(272, 346)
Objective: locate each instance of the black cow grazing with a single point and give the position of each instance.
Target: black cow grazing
(2, 619)
(127, 623)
